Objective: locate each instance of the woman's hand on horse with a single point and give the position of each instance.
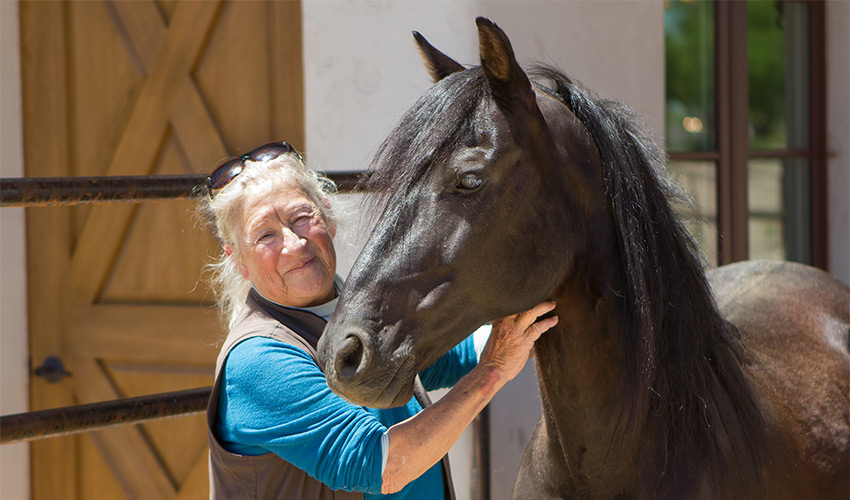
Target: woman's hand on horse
(512, 338)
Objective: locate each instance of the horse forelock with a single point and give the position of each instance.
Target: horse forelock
(682, 357)
(426, 134)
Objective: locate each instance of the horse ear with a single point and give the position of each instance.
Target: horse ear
(509, 83)
(438, 64)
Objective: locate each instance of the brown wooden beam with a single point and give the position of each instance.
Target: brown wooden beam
(817, 131)
(732, 113)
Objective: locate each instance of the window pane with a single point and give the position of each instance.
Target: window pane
(779, 215)
(690, 123)
(778, 61)
(699, 179)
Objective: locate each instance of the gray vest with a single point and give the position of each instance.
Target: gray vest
(265, 477)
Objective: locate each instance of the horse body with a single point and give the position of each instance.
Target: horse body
(795, 321)
(797, 362)
(658, 382)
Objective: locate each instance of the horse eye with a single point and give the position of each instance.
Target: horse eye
(469, 182)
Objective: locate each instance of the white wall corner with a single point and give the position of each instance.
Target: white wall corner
(14, 458)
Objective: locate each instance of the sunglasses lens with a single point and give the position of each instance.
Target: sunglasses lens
(271, 151)
(228, 170)
(225, 173)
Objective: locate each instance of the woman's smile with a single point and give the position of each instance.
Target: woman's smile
(304, 265)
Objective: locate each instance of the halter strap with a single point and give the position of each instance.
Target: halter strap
(424, 400)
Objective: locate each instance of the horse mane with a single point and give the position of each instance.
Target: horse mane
(684, 382)
(684, 379)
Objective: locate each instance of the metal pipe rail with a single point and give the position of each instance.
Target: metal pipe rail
(53, 191)
(81, 418)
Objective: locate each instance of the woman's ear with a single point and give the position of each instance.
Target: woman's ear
(229, 251)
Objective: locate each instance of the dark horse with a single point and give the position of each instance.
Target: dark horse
(659, 381)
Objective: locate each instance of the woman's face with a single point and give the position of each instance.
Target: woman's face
(287, 248)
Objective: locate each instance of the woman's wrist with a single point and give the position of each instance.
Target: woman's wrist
(489, 378)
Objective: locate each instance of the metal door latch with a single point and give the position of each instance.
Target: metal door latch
(52, 369)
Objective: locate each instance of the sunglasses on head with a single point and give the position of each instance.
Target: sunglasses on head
(229, 168)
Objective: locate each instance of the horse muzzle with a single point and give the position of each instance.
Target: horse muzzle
(357, 370)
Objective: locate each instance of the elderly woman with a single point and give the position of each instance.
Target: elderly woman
(275, 428)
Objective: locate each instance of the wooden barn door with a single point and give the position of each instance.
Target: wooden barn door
(116, 291)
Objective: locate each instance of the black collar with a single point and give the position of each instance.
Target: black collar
(306, 324)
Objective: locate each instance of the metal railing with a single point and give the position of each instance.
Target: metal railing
(54, 191)
(49, 191)
(42, 424)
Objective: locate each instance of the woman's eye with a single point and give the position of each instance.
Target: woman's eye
(469, 182)
(303, 219)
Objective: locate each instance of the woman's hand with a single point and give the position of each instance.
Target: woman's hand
(512, 338)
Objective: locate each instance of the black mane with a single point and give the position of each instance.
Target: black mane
(682, 357)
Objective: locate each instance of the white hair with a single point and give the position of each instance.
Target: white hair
(223, 213)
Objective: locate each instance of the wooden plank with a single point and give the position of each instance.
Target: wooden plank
(192, 122)
(197, 485)
(198, 134)
(160, 259)
(146, 333)
(144, 27)
(43, 72)
(287, 73)
(105, 226)
(180, 48)
(127, 452)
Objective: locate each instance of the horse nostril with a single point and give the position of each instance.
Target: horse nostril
(350, 357)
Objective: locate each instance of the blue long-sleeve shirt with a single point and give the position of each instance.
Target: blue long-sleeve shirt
(275, 399)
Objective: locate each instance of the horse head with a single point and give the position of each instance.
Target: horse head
(466, 235)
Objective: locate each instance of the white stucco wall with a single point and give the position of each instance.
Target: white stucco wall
(838, 135)
(362, 71)
(14, 458)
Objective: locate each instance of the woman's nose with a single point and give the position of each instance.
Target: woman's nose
(292, 241)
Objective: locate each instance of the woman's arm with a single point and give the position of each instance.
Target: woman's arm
(421, 441)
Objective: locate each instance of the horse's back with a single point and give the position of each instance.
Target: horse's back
(784, 302)
(795, 323)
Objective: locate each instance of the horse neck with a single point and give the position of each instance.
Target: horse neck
(580, 372)
(584, 388)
